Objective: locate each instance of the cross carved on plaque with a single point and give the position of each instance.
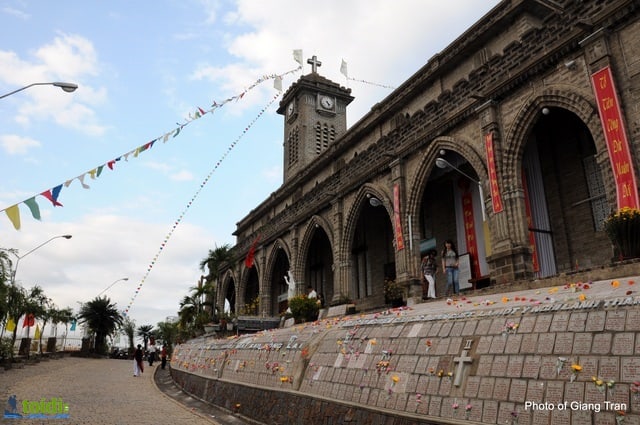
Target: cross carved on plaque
(315, 63)
(464, 358)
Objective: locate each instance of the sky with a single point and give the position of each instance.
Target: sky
(145, 69)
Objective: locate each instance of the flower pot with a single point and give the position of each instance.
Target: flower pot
(623, 228)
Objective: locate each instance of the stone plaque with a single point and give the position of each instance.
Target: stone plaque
(455, 345)
(514, 367)
(623, 344)
(490, 412)
(433, 385)
(535, 391)
(513, 344)
(584, 417)
(633, 320)
(445, 386)
(441, 347)
(518, 390)
(498, 344)
(497, 326)
(434, 406)
(499, 366)
(529, 343)
(484, 365)
(543, 323)
(564, 343)
(559, 322)
(574, 391)
(601, 344)
(469, 328)
(526, 324)
(593, 395)
(589, 368)
(414, 331)
(487, 385)
(577, 322)
(582, 343)
(555, 392)
(541, 417)
(545, 343)
(615, 320)
(501, 389)
(457, 328)
(549, 367)
(471, 389)
(483, 327)
(445, 330)
(562, 417)
(595, 322)
(531, 367)
(630, 369)
(484, 344)
(505, 413)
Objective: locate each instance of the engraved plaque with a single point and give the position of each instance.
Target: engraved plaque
(545, 343)
(577, 322)
(543, 323)
(469, 328)
(484, 365)
(499, 366)
(630, 369)
(564, 343)
(445, 330)
(615, 320)
(582, 343)
(535, 391)
(498, 344)
(633, 320)
(559, 322)
(589, 368)
(555, 392)
(513, 344)
(518, 390)
(574, 391)
(490, 412)
(504, 413)
(527, 324)
(592, 394)
(487, 385)
(529, 343)
(484, 344)
(623, 344)
(531, 367)
(595, 322)
(473, 384)
(541, 417)
(457, 328)
(501, 389)
(549, 368)
(514, 368)
(483, 327)
(601, 344)
(562, 417)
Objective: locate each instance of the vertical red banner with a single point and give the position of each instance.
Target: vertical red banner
(616, 138)
(493, 177)
(397, 219)
(532, 236)
(470, 228)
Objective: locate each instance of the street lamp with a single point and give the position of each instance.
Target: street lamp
(443, 163)
(67, 87)
(107, 288)
(20, 257)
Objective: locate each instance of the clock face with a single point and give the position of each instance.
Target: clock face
(326, 102)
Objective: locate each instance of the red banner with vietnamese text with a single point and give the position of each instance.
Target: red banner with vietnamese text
(496, 199)
(470, 228)
(532, 236)
(397, 218)
(616, 138)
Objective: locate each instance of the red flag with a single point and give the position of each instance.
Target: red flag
(248, 262)
(29, 320)
(54, 200)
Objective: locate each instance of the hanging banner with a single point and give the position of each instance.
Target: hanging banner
(397, 218)
(496, 199)
(469, 226)
(532, 236)
(616, 138)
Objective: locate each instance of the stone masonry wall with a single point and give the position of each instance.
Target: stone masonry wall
(567, 354)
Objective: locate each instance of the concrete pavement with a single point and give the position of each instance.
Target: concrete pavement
(98, 392)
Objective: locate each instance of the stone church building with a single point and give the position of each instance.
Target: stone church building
(515, 142)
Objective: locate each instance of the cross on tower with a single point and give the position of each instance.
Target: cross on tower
(464, 358)
(315, 63)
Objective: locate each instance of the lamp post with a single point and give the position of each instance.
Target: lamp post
(67, 87)
(107, 288)
(20, 257)
(443, 163)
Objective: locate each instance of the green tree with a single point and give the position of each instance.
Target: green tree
(102, 318)
(146, 332)
(16, 306)
(168, 333)
(129, 329)
(64, 316)
(213, 261)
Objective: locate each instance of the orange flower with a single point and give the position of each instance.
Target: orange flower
(615, 283)
(582, 297)
(395, 379)
(505, 299)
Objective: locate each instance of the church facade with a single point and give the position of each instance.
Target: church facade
(515, 142)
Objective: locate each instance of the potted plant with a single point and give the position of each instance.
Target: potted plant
(393, 292)
(304, 309)
(623, 228)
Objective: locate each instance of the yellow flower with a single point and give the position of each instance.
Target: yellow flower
(582, 297)
(395, 379)
(615, 283)
(576, 367)
(505, 299)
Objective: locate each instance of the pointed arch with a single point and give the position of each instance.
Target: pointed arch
(315, 222)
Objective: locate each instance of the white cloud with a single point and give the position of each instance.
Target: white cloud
(17, 145)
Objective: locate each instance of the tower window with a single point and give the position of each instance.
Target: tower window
(325, 135)
(293, 141)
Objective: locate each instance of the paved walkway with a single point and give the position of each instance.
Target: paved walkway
(100, 392)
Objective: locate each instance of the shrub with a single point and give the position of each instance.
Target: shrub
(304, 309)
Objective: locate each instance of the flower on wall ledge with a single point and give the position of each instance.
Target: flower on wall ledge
(575, 371)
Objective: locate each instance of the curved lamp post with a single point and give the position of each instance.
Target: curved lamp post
(108, 287)
(67, 87)
(20, 257)
(443, 163)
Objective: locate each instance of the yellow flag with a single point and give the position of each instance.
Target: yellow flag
(14, 215)
(11, 325)
(37, 334)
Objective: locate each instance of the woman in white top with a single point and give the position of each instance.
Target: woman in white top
(450, 266)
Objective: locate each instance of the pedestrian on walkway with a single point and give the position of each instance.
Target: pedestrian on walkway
(163, 356)
(152, 352)
(429, 269)
(138, 364)
(450, 267)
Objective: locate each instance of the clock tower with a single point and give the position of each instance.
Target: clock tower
(315, 116)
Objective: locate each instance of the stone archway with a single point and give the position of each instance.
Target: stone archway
(279, 287)
(319, 264)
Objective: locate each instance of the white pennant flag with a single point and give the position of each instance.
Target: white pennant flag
(277, 83)
(297, 55)
(343, 68)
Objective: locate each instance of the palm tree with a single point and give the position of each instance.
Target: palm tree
(214, 260)
(146, 332)
(129, 329)
(101, 317)
(168, 332)
(64, 316)
(16, 305)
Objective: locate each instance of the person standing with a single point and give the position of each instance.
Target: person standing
(138, 364)
(429, 270)
(152, 351)
(163, 356)
(450, 267)
(311, 293)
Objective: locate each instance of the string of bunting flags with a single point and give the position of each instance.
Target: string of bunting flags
(192, 200)
(344, 71)
(53, 194)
